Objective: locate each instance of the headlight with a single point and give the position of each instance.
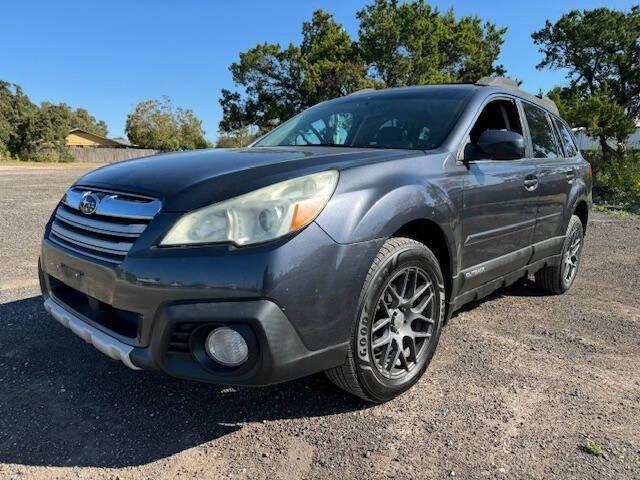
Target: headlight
(259, 216)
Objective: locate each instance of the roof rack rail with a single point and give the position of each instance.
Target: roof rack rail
(364, 90)
(505, 82)
(498, 82)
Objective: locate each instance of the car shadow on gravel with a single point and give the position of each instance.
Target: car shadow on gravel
(63, 403)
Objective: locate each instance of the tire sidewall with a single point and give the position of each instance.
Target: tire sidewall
(377, 386)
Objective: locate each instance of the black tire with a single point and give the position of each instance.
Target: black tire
(371, 378)
(558, 279)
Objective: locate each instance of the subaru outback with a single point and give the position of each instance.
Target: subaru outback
(341, 241)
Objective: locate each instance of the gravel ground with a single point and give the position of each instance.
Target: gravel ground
(520, 383)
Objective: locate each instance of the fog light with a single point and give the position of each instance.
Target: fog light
(227, 347)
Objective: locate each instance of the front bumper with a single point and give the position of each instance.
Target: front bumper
(103, 342)
(294, 301)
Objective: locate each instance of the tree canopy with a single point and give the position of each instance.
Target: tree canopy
(157, 124)
(600, 51)
(413, 43)
(27, 130)
(399, 44)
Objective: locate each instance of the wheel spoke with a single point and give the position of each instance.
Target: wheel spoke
(414, 285)
(384, 305)
(575, 247)
(429, 320)
(396, 298)
(403, 360)
(384, 340)
(418, 293)
(405, 284)
(395, 358)
(384, 357)
(423, 303)
(421, 334)
(412, 349)
(380, 323)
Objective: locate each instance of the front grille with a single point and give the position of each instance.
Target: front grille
(110, 231)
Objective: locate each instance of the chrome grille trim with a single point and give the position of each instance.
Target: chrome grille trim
(108, 234)
(108, 246)
(64, 244)
(115, 204)
(67, 215)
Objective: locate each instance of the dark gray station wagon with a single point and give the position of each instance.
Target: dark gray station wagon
(341, 241)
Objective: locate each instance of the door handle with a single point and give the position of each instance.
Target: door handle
(531, 182)
(571, 174)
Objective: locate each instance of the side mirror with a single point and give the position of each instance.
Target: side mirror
(501, 144)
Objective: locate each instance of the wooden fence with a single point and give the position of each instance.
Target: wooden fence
(108, 155)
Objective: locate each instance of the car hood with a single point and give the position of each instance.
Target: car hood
(188, 180)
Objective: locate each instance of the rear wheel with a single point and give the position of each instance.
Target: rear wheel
(559, 278)
(398, 326)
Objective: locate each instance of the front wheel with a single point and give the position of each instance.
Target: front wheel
(559, 278)
(398, 326)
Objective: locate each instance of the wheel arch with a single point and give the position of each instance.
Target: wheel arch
(581, 210)
(431, 234)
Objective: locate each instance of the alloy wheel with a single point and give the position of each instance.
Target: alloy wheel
(572, 256)
(403, 322)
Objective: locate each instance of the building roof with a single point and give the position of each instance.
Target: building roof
(98, 138)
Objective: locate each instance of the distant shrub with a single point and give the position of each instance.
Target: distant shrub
(617, 182)
(57, 154)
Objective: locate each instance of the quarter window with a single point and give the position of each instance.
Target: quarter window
(570, 149)
(543, 139)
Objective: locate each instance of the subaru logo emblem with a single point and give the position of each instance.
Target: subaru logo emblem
(89, 203)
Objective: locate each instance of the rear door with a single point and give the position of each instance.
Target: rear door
(499, 203)
(556, 173)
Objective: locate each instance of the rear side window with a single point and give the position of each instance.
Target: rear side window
(566, 138)
(543, 139)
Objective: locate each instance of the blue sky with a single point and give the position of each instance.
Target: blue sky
(107, 55)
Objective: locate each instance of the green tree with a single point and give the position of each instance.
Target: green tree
(399, 44)
(600, 51)
(157, 124)
(84, 120)
(236, 139)
(32, 132)
(15, 109)
(413, 44)
(43, 132)
(279, 82)
(598, 114)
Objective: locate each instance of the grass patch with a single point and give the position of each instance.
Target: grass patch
(592, 448)
(621, 211)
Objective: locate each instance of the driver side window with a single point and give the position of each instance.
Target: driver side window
(496, 115)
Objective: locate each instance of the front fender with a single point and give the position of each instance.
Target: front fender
(389, 198)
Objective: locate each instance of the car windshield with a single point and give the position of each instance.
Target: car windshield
(419, 120)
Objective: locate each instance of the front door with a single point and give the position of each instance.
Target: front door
(499, 204)
(499, 216)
